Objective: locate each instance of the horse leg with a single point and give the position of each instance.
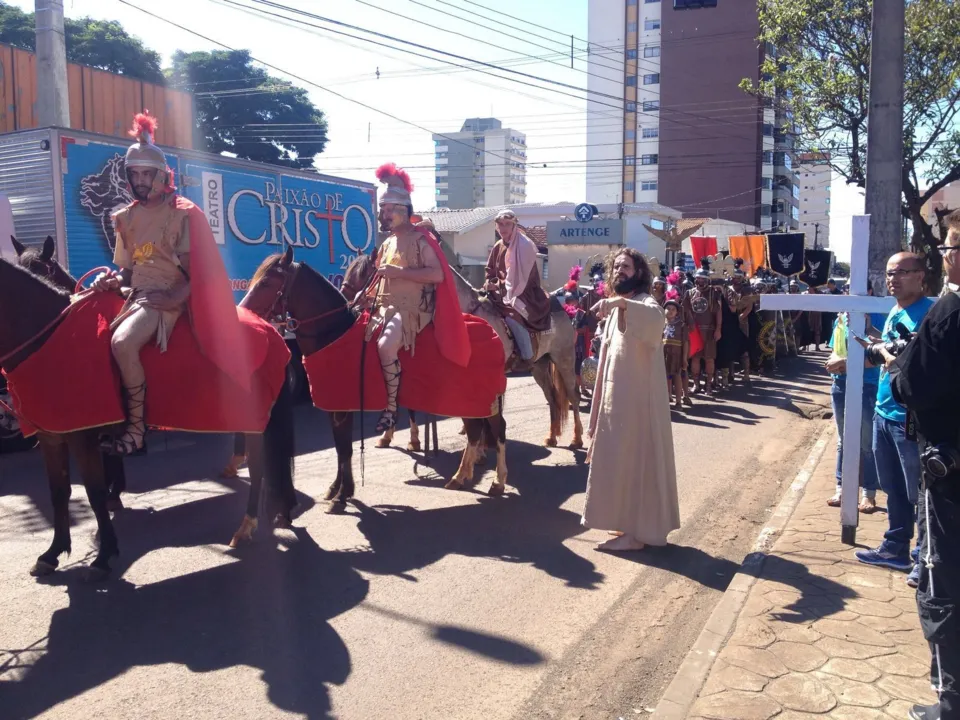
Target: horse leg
(464, 474)
(343, 487)
(541, 373)
(386, 438)
(568, 376)
(497, 428)
(414, 444)
(56, 458)
(116, 479)
(238, 459)
(86, 449)
(257, 466)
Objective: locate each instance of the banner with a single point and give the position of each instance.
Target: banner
(751, 249)
(701, 247)
(785, 252)
(816, 267)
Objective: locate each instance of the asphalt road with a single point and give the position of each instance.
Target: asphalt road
(418, 602)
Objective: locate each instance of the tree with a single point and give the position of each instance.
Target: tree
(100, 44)
(841, 269)
(242, 110)
(819, 68)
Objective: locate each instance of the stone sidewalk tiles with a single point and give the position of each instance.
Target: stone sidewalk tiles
(821, 634)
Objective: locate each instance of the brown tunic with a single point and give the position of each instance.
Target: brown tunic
(535, 300)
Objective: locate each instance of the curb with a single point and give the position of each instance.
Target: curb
(685, 687)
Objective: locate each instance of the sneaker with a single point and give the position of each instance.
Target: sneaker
(925, 712)
(913, 579)
(882, 558)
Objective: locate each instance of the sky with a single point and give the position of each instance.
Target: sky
(415, 96)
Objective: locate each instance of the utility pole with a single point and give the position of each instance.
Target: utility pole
(53, 97)
(816, 236)
(885, 136)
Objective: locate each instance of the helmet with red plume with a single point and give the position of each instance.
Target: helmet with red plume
(143, 153)
(399, 185)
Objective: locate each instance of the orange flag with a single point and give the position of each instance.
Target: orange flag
(753, 250)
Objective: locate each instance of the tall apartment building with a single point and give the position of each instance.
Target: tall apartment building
(667, 121)
(483, 165)
(813, 176)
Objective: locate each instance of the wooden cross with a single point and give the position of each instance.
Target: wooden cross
(857, 304)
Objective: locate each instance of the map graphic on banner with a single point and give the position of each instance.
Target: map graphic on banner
(785, 253)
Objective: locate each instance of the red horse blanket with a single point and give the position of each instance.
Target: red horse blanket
(71, 383)
(430, 383)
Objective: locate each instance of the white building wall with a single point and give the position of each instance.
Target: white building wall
(647, 176)
(496, 170)
(814, 182)
(606, 36)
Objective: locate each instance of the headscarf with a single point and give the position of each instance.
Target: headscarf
(520, 259)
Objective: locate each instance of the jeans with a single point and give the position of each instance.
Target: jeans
(898, 468)
(868, 467)
(521, 336)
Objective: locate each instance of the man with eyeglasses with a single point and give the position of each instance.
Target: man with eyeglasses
(926, 381)
(895, 450)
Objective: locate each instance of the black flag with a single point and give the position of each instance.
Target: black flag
(816, 267)
(785, 253)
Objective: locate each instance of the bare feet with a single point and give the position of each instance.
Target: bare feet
(868, 505)
(834, 501)
(621, 544)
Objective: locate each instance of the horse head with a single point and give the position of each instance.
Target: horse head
(28, 305)
(43, 263)
(312, 307)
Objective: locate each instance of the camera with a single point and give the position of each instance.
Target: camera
(894, 347)
(939, 461)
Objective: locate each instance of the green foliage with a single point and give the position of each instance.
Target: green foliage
(841, 269)
(821, 72)
(242, 110)
(98, 43)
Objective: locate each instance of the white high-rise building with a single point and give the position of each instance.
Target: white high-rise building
(813, 178)
(483, 165)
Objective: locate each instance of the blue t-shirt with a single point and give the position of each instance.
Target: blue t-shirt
(871, 375)
(911, 317)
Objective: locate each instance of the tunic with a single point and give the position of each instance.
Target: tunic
(674, 340)
(414, 302)
(700, 308)
(150, 241)
(534, 302)
(632, 485)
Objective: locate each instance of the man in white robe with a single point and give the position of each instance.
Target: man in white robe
(632, 485)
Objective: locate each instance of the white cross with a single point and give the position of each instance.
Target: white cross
(857, 304)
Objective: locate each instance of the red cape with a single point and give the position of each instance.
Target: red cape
(212, 310)
(453, 339)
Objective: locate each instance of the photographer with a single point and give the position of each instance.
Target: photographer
(926, 381)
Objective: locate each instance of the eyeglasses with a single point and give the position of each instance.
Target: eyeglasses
(891, 274)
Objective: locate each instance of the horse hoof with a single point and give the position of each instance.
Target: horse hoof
(332, 493)
(245, 533)
(337, 507)
(414, 447)
(496, 490)
(383, 443)
(576, 445)
(282, 522)
(550, 442)
(454, 484)
(42, 568)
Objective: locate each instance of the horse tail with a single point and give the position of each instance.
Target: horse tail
(559, 397)
(278, 448)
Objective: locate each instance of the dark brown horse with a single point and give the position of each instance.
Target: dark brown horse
(29, 310)
(43, 263)
(321, 315)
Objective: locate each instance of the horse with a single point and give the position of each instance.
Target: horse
(554, 368)
(31, 308)
(320, 315)
(43, 263)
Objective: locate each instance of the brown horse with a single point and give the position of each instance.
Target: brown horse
(43, 263)
(321, 315)
(555, 366)
(30, 308)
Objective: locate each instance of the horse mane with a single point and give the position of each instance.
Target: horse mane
(265, 267)
(357, 273)
(27, 276)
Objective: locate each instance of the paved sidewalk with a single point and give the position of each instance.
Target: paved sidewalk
(820, 633)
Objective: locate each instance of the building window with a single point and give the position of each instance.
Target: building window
(630, 160)
(768, 158)
(765, 210)
(632, 80)
(651, 24)
(631, 2)
(648, 185)
(768, 130)
(649, 159)
(796, 191)
(651, 79)
(766, 183)
(649, 52)
(632, 55)
(795, 213)
(629, 186)
(631, 106)
(631, 134)
(650, 132)
(631, 27)
(657, 224)
(651, 105)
